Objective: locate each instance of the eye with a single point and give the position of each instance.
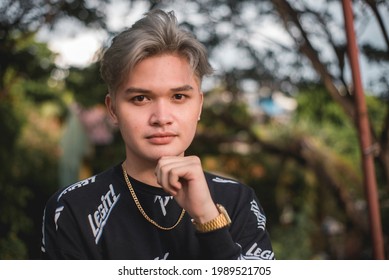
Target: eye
(179, 96)
(139, 99)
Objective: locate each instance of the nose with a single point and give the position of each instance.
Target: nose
(161, 114)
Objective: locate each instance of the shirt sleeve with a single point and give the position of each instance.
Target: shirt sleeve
(246, 238)
(218, 245)
(249, 230)
(61, 238)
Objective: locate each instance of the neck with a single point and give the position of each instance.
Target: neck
(145, 174)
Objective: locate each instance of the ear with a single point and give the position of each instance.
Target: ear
(110, 104)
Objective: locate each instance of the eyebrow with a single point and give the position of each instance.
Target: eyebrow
(183, 88)
(136, 90)
(142, 90)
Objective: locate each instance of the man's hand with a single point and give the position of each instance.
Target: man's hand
(183, 178)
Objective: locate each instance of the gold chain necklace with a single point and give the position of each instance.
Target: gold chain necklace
(137, 203)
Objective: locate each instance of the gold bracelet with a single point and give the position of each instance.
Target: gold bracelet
(221, 221)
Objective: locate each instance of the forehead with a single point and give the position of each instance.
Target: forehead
(162, 69)
(122, 81)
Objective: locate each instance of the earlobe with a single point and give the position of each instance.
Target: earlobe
(109, 103)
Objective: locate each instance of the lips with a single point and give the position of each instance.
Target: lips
(161, 138)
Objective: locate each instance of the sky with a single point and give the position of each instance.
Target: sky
(77, 45)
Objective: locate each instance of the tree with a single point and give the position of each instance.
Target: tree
(318, 41)
(31, 105)
(20, 20)
(353, 109)
(316, 201)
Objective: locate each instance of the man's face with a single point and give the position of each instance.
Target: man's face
(158, 108)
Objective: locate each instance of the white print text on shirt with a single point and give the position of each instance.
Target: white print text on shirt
(163, 258)
(220, 180)
(261, 219)
(99, 218)
(58, 211)
(257, 253)
(163, 201)
(77, 185)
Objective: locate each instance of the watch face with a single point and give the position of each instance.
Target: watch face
(223, 211)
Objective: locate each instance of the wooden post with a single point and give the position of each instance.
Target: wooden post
(370, 183)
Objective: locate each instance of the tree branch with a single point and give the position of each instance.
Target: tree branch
(291, 20)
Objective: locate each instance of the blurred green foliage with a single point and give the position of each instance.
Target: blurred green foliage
(304, 171)
(30, 111)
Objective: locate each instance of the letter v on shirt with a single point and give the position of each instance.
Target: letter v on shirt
(99, 218)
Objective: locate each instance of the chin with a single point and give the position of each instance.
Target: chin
(169, 154)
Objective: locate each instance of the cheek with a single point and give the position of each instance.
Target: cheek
(128, 123)
(191, 123)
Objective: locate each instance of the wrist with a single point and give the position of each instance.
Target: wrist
(220, 221)
(210, 213)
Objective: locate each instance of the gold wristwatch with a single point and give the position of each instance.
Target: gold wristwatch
(220, 221)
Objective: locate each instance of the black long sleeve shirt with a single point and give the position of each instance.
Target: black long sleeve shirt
(97, 219)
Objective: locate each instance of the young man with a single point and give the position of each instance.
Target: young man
(158, 203)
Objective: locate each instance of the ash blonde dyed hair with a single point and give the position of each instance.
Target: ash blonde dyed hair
(155, 34)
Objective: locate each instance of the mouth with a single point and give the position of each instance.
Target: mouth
(161, 138)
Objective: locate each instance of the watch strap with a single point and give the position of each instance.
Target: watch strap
(221, 221)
